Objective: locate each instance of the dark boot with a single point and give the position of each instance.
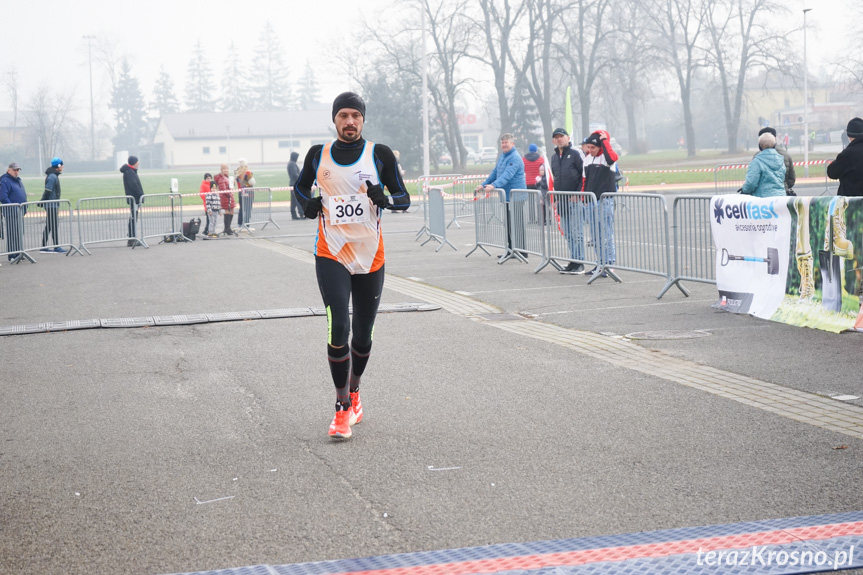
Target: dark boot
(228, 219)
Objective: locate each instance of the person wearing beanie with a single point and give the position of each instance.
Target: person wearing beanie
(349, 249)
(133, 188)
(52, 192)
(226, 197)
(790, 174)
(532, 162)
(599, 176)
(848, 165)
(293, 176)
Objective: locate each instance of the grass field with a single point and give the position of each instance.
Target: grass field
(77, 186)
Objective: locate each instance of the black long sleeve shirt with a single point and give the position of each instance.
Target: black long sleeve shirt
(348, 153)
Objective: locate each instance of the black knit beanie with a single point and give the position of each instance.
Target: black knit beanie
(349, 100)
(855, 128)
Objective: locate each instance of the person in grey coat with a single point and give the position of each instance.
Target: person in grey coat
(765, 176)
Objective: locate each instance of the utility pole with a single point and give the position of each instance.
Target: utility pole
(805, 103)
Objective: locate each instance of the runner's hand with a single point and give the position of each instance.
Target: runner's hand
(376, 194)
(313, 207)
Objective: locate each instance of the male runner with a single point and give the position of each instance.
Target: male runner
(349, 249)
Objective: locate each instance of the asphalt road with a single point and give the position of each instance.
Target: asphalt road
(175, 449)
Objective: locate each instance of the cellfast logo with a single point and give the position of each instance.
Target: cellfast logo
(743, 211)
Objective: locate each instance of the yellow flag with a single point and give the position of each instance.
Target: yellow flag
(567, 121)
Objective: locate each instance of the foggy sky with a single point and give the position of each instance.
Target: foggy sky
(43, 40)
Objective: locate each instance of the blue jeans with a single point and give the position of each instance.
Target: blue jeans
(572, 217)
(603, 236)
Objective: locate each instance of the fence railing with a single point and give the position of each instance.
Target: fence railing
(728, 178)
(12, 233)
(108, 219)
(47, 227)
(437, 219)
(490, 217)
(161, 215)
(694, 251)
(257, 204)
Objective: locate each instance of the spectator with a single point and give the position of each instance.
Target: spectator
(12, 192)
(848, 165)
(226, 197)
(133, 188)
(52, 192)
(566, 168)
(204, 190)
(790, 175)
(245, 184)
(532, 162)
(765, 176)
(293, 176)
(508, 175)
(599, 176)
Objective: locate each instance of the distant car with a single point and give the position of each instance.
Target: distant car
(488, 155)
(445, 160)
(473, 157)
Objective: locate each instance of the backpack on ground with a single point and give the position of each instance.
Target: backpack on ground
(191, 228)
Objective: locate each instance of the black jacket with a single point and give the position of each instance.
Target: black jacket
(52, 184)
(293, 169)
(566, 168)
(848, 169)
(132, 183)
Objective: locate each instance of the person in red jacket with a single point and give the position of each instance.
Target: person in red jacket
(223, 180)
(532, 162)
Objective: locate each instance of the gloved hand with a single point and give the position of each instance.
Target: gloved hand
(376, 195)
(313, 207)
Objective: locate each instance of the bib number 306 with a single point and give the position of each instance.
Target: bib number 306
(350, 209)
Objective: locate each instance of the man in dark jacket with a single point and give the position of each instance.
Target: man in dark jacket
(12, 192)
(848, 165)
(52, 192)
(566, 167)
(133, 188)
(293, 176)
(790, 176)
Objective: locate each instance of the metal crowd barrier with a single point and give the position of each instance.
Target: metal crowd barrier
(525, 227)
(694, 251)
(462, 198)
(423, 185)
(728, 178)
(566, 214)
(258, 207)
(633, 234)
(161, 215)
(437, 219)
(489, 216)
(108, 219)
(12, 233)
(48, 226)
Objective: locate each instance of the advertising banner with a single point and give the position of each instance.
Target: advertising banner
(795, 260)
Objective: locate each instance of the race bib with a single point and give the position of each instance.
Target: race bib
(350, 209)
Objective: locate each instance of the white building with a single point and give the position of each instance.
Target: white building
(197, 139)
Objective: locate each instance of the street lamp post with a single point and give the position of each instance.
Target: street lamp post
(805, 102)
(89, 38)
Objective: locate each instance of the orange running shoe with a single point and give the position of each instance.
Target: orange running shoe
(340, 427)
(356, 410)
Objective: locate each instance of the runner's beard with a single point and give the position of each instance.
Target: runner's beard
(351, 136)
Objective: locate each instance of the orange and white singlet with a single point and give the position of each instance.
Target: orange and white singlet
(358, 245)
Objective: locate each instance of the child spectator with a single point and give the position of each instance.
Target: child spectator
(205, 189)
(214, 207)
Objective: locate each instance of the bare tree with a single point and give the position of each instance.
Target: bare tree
(48, 113)
(540, 66)
(498, 25)
(10, 81)
(678, 25)
(742, 40)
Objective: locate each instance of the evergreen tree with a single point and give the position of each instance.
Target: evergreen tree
(270, 74)
(526, 126)
(164, 100)
(236, 96)
(307, 89)
(127, 101)
(200, 88)
(393, 115)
